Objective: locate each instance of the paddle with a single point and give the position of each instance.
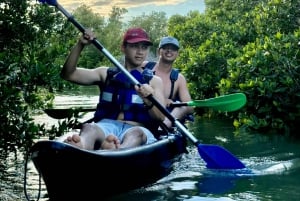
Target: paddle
(224, 103)
(62, 113)
(215, 156)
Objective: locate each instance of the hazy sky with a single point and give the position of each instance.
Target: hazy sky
(137, 7)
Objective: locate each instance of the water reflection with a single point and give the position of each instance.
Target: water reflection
(67, 101)
(274, 162)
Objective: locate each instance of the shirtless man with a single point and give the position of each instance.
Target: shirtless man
(168, 51)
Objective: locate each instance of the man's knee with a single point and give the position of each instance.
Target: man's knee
(137, 132)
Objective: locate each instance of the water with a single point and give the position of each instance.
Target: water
(273, 161)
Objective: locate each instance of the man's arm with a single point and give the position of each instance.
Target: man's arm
(83, 76)
(158, 94)
(184, 96)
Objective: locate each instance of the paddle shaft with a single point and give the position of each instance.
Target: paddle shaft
(66, 112)
(226, 103)
(179, 104)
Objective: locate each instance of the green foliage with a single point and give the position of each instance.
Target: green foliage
(112, 33)
(209, 61)
(25, 79)
(268, 72)
(91, 57)
(245, 46)
(192, 30)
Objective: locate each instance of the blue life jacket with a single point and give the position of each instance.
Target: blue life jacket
(118, 95)
(173, 77)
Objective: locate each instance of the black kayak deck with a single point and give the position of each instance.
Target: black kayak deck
(71, 173)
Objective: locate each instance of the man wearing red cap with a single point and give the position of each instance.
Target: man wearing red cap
(124, 115)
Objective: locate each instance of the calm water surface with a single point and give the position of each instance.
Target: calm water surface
(274, 163)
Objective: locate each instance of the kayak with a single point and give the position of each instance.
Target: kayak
(71, 173)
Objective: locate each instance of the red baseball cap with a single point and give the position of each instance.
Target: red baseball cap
(135, 35)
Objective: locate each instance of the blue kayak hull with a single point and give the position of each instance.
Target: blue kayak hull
(70, 173)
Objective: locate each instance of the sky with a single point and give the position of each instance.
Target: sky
(137, 7)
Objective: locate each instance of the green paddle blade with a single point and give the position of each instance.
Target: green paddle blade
(225, 103)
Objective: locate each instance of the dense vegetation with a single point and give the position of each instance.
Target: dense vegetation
(250, 47)
(235, 46)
